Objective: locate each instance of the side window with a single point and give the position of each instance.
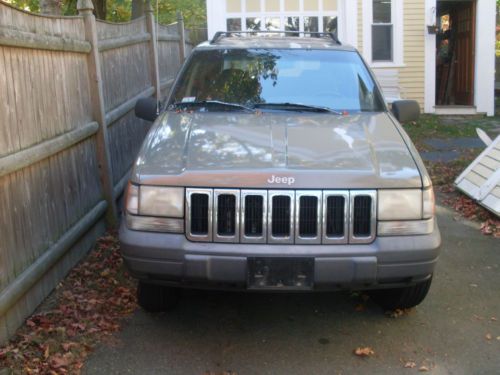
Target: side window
(382, 31)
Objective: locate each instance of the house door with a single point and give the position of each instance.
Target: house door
(456, 52)
(464, 53)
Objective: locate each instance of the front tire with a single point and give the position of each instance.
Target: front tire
(156, 298)
(402, 298)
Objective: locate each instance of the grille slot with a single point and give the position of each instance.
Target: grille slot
(308, 217)
(226, 215)
(199, 214)
(226, 218)
(335, 216)
(362, 216)
(281, 213)
(254, 216)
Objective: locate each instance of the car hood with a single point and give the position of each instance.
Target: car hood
(246, 150)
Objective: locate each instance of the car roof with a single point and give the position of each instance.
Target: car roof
(274, 42)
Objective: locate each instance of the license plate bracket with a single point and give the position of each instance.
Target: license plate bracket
(280, 273)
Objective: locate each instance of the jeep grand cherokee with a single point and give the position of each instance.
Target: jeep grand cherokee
(275, 164)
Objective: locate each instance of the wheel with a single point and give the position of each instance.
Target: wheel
(156, 298)
(401, 298)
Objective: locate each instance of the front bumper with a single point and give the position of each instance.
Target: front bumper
(173, 260)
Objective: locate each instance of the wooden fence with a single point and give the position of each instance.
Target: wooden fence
(68, 138)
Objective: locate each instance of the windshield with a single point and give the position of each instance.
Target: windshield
(336, 80)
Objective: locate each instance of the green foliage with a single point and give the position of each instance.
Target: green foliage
(194, 11)
(29, 5)
(118, 10)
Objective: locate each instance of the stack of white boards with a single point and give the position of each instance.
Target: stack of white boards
(481, 179)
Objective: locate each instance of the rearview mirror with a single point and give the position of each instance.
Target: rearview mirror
(146, 109)
(406, 110)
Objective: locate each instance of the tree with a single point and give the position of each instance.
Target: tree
(194, 11)
(137, 9)
(50, 7)
(100, 9)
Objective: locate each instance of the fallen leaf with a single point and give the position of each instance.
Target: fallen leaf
(58, 361)
(360, 307)
(105, 273)
(364, 352)
(87, 307)
(488, 336)
(410, 364)
(423, 369)
(68, 345)
(398, 313)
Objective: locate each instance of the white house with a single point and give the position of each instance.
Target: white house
(439, 52)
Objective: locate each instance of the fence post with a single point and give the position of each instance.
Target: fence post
(85, 9)
(153, 48)
(182, 36)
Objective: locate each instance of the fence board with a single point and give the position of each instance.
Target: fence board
(110, 30)
(125, 72)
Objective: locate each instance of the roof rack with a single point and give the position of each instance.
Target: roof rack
(221, 34)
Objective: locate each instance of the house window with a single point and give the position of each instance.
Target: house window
(382, 31)
(273, 24)
(294, 16)
(330, 25)
(292, 24)
(253, 24)
(234, 24)
(311, 24)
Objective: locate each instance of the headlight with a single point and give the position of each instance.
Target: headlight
(155, 224)
(132, 199)
(155, 208)
(400, 204)
(428, 204)
(405, 212)
(161, 201)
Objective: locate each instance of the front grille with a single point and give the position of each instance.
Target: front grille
(281, 216)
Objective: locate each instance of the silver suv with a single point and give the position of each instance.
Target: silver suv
(275, 165)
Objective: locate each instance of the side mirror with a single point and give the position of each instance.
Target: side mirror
(406, 110)
(146, 108)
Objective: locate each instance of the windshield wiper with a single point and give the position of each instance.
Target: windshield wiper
(297, 107)
(215, 103)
